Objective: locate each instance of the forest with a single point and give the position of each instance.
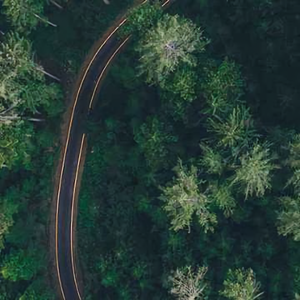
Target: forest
(191, 184)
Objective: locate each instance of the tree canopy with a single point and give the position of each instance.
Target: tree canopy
(172, 42)
(192, 176)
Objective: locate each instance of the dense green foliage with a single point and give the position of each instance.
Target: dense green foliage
(30, 104)
(184, 199)
(172, 42)
(33, 53)
(193, 160)
(192, 182)
(140, 18)
(189, 285)
(241, 285)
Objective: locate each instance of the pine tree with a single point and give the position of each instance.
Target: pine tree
(235, 131)
(289, 217)
(188, 284)
(183, 199)
(15, 144)
(25, 14)
(172, 42)
(221, 194)
(253, 174)
(22, 82)
(241, 284)
(211, 160)
(223, 87)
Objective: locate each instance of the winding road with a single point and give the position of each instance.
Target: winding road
(72, 160)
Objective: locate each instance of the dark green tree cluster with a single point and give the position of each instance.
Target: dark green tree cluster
(42, 42)
(140, 19)
(25, 15)
(185, 171)
(22, 84)
(30, 105)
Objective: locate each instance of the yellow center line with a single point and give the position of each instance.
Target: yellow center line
(104, 69)
(65, 153)
(95, 55)
(111, 58)
(66, 147)
(72, 216)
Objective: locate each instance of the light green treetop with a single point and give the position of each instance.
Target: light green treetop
(188, 284)
(289, 217)
(236, 130)
(25, 14)
(22, 81)
(253, 173)
(172, 42)
(183, 199)
(241, 284)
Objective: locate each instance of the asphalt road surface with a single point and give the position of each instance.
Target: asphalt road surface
(65, 214)
(64, 235)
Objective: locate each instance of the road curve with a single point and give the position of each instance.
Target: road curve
(68, 173)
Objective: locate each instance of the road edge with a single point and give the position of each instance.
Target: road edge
(70, 101)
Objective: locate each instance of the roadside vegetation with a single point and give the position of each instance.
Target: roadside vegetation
(42, 45)
(191, 189)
